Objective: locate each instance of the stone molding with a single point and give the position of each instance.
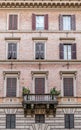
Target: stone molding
(40, 3)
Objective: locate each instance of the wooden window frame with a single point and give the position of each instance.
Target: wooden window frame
(8, 21)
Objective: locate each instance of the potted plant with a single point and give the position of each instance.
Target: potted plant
(25, 91)
(54, 92)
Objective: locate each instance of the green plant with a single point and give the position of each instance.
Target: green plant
(25, 90)
(53, 91)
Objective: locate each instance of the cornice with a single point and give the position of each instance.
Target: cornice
(40, 3)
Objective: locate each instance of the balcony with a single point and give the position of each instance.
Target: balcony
(46, 102)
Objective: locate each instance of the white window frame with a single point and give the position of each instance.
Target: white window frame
(65, 23)
(40, 28)
(5, 84)
(8, 21)
(74, 83)
(12, 41)
(40, 41)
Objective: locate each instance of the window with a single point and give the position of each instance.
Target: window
(39, 22)
(68, 86)
(10, 121)
(69, 121)
(12, 51)
(13, 22)
(67, 51)
(39, 118)
(39, 51)
(67, 22)
(11, 86)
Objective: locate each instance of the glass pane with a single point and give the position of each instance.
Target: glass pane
(65, 52)
(39, 22)
(69, 52)
(66, 22)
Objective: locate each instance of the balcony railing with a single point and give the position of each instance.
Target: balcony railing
(40, 99)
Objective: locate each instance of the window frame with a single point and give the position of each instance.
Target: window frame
(69, 116)
(8, 21)
(39, 115)
(10, 121)
(17, 45)
(69, 23)
(41, 41)
(5, 84)
(40, 28)
(74, 84)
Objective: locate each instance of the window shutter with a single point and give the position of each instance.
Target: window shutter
(39, 85)
(61, 51)
(73, 48)
(68, 86)
(8, 120)
(15, 24)
(67, 120)
(14, 52)
(60, 22)
(46, 22)
(11, 87)
(71, 120)
(12, 121)
(33, 22)
(10, 21)
(73, 22)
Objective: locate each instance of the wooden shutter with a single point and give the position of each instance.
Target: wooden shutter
(46, 22)
(39, 85)
(68, 86)
(73, 50)
(11, 87)
(10, 21)
(13, 120)
(60, 22)
(8, 121)
(71, 121)
(61, 51)
(15, 23)
(33, 22)
(73, 22)
(67, 125)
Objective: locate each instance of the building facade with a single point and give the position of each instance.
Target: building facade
(40, 49)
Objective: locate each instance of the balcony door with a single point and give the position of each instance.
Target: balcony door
(39, 85)
(39, 89)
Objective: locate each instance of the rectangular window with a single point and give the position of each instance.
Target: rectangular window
(67, 51)
(10, 121)
(13, 22)
(11, 86)
(39, 51)
(39, 118)
(69, 121)
(67, 22)
(12, 51)
(68, 86)
(39, 22)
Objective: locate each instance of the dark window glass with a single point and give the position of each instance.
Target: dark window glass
(10, 121)
(69, 121)
(12, 51)
(39, 118)
(39, 51)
